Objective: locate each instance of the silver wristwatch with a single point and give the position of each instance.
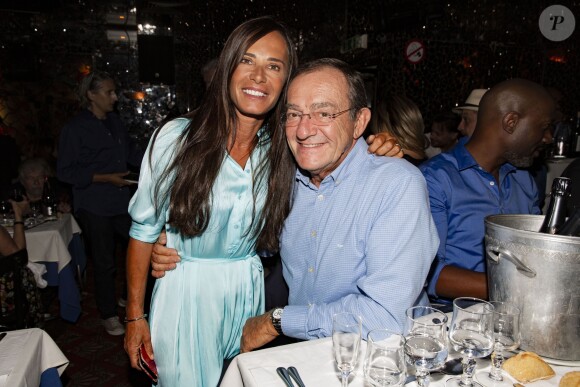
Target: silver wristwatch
(276, 316)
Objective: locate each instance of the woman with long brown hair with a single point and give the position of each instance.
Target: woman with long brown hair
(219, 182)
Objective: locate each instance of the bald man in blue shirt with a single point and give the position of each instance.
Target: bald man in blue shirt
(481, 178)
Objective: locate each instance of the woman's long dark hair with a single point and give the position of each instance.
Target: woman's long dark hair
(205, 141)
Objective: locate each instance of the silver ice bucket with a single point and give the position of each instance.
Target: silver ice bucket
(540, 273)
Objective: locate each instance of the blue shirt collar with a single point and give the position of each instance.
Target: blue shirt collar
(349, 164)
(465, 160)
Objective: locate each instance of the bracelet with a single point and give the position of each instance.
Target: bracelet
(19, 222)
(142, 317)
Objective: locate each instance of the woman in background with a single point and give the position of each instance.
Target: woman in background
(401, 119)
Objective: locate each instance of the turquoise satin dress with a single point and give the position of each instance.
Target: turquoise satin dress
(199, 309)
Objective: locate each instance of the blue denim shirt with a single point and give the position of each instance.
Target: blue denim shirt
(461, 195)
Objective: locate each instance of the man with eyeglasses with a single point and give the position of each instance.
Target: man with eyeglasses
(359, 236)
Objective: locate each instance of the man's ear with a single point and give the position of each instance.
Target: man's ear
(363, 116)
(509, 121)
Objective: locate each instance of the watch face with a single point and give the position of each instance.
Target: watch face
(277, 314)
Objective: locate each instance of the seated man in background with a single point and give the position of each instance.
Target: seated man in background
(444, 132)
(482, 178)
(468, 112)
(359, 237)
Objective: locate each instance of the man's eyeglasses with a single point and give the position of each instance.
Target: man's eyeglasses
(320, 117)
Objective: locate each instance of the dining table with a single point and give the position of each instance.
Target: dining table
(29, 357)
(315, 362)
(57, 245)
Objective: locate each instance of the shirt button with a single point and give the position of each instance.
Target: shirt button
(313, 234)
(236, 226)
(321, 197)
(310, 269)
(491, 183)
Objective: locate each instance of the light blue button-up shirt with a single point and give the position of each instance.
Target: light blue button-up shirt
(462, 194)
(362, 242)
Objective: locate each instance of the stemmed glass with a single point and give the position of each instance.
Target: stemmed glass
(385, 359)
(426, 344)
(471, 333)
(5, 208)
(506, 326)
(35, 211)
(346, 332)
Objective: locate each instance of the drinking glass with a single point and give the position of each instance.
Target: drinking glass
(471, 333)
(346, 332)
(426, 344)
(385, 358)
(35, 210)
(5, 208)
(506, 327)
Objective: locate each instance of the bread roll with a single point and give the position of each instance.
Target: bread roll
(570, 379)
(528, 367)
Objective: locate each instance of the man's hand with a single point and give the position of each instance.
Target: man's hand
(382, 144)
(163, 258)
(257, 332)
(20, 208)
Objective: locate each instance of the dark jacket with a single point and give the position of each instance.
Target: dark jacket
(91, 146)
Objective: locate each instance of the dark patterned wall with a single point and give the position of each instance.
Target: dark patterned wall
(44, 49)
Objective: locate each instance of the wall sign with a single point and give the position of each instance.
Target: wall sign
(415, 51)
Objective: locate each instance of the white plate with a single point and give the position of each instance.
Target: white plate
(567, 363)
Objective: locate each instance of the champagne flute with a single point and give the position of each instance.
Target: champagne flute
(506, 326)
(426, 344)
(471, 333)
(346, 332)
(385, 358)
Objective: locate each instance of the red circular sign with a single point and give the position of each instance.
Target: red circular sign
(415, 51)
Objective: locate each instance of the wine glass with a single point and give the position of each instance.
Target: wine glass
(346, 332)
(426, 344)
(471, 333)
(506, 326)
(35, 210)
(5, 208)
(385, 358)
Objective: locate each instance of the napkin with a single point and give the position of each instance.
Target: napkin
(318, 368)
(38, 270)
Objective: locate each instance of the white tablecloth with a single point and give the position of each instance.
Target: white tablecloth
(49, 241)
(25, 355)
(314, 360)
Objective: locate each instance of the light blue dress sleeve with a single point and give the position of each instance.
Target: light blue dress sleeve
(148, 220)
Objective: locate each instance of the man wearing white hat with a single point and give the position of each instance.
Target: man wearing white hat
(468, 112)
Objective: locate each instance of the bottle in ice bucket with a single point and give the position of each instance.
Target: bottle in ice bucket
(556, 214)
(572, 225)
(48, 201)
